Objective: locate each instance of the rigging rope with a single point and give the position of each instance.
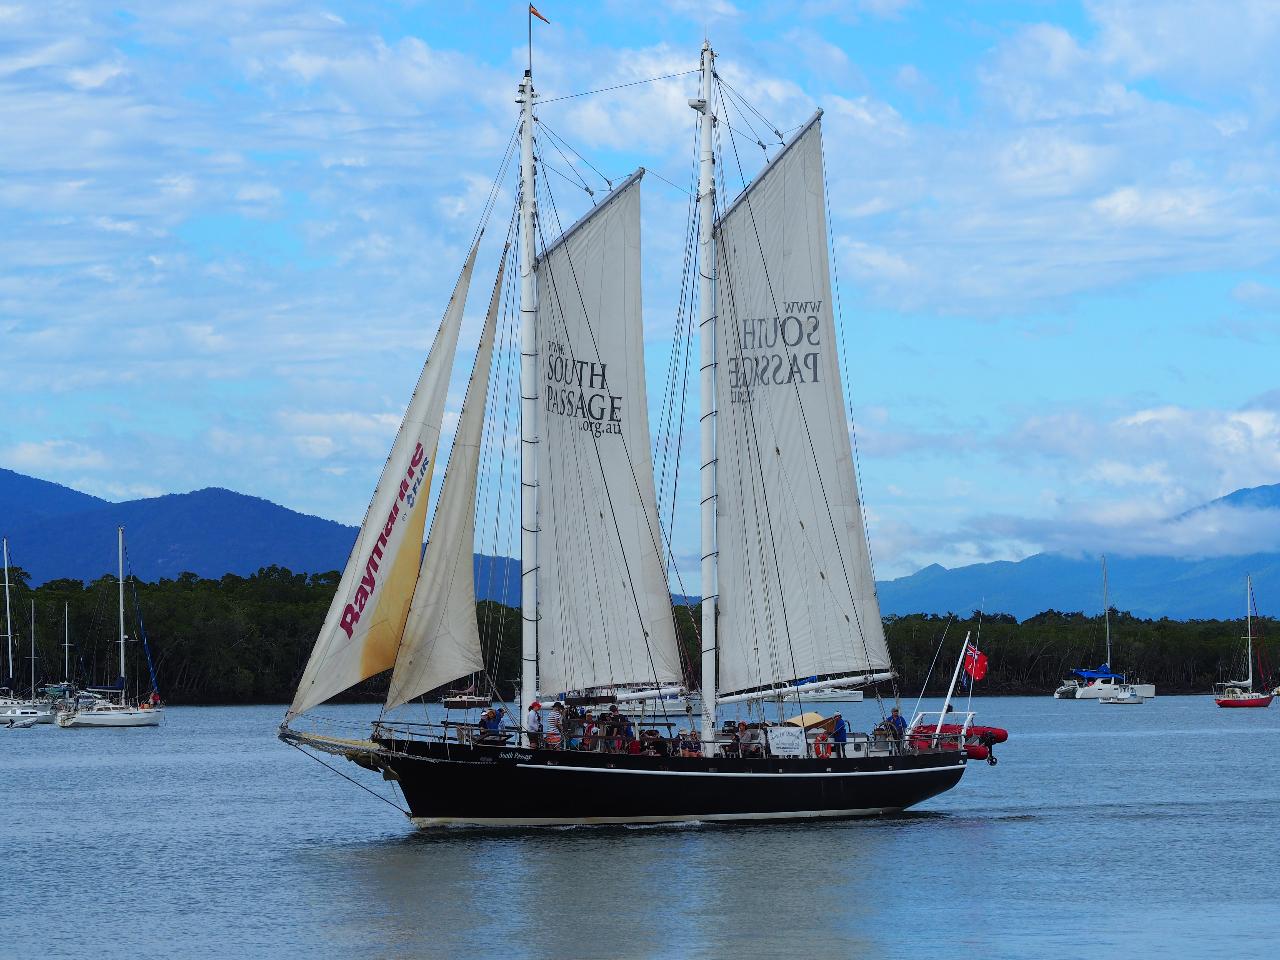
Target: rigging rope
(619, 86)
(390, 803)
(557, 141)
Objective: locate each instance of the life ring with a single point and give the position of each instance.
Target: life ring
(821, 748)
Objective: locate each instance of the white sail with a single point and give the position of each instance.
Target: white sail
(441, 641)
(797, 595)
(362, 630)
(604, 610)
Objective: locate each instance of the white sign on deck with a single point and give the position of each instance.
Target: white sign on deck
(787, 742)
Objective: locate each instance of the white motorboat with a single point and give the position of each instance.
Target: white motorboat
(1124, 694)
(15, 711)
(101, 711)
(20, 724)
(107, 714)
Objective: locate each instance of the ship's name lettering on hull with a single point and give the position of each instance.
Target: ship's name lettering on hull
(579, 389)
(409, 487)
(775, 351)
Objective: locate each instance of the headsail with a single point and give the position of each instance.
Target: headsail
(604, 606)
(362, 630)
(797, 595)
(441, 641)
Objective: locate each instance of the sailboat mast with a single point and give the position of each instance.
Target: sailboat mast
(8, 619)
(1106, 610)
(33, 651)
(707, 351)
(528, 405)
(120, 551)
(1248, 626)
(66, 642)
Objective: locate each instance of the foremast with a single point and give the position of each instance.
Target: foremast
(529, 408)
(707, 360)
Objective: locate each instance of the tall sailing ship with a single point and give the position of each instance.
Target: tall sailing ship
(789, 606)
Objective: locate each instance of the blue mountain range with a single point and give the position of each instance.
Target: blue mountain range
(57, 532)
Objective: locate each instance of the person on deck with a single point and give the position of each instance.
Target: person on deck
(898, 722)
(555, 718)
(491, 720)
(630, 743)
(613, 724)
(839, 735)
(533, 725)
(589, 732)
(751, 740)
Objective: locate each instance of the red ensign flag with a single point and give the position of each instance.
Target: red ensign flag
(534, 10)
(975, 663)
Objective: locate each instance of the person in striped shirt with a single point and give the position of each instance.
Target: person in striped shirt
(555, 716)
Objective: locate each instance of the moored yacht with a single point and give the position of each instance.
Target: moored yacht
(15, 709)
(1240, 693)
(788, 587)
(1103, 683)
(111, 707)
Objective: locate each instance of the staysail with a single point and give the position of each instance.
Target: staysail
(362, 630)
(797, 594)
(604, 612)
(441, 641)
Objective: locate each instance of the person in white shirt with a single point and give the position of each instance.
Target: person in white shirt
(533, 725)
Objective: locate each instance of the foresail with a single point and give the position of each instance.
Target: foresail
(362, 630)
(604, 607)
(797, 595)
(441, 641)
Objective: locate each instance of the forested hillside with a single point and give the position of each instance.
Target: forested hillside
(246, 639)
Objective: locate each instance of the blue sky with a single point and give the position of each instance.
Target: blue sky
(230, 228)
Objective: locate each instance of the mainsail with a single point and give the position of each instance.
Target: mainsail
(797, 595)
(362, 630)
(441, 642)
(604, 612)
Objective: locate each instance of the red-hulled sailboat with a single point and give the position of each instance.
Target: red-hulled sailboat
(1240, 693)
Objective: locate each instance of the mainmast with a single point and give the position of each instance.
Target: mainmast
(529, 407)
(66, 642)
(8, 620)
(707, 349)
(120, 550)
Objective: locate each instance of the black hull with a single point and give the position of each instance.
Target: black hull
(447, 783)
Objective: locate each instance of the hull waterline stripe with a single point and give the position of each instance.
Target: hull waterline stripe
(769, 774)
(686, 818)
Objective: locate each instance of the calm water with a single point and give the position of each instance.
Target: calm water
(1106, 831)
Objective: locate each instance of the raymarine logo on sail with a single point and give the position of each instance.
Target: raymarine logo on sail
(409, 486)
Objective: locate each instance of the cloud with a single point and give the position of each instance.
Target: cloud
(49, 455)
